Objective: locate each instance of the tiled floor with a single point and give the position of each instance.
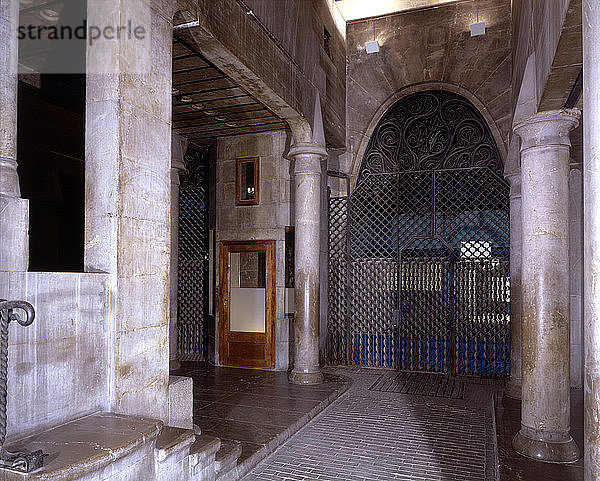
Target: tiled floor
(375, 435)
(366, 434)
(517, 468)
(254, 407)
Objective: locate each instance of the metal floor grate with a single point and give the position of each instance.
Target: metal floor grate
(420, 384)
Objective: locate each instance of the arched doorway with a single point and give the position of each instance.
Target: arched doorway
(418, 253)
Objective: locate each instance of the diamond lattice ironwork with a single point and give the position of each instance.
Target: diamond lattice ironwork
(418, 265)
(192, 278)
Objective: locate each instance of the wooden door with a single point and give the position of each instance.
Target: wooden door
(247, 308)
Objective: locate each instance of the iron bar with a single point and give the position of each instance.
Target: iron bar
(23, 462)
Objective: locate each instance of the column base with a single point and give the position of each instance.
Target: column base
(306, 378)
(513, 389)
(559, 452)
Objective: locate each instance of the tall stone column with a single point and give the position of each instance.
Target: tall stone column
(307, 179)
(177, 167)
(128, 194)
(513, 387)
(14, 211)
(591, 238)
(545, 410)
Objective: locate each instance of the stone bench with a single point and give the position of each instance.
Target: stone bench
(114, 447)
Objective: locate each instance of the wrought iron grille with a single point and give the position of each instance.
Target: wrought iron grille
(373, 272)
(337, 309)
(426, 306)
(418, 265)
(192, 280)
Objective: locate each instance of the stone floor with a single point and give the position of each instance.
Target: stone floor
(370, 434)
(517, 468)
(258, 409)
(380, 429)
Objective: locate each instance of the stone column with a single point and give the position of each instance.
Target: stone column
(177, 167)
(545, 410)
(307, 179)
(513, 387)
(14, 211)
(576, 272)
(128, 194)
(591, 238)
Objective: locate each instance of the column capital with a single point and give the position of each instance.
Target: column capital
(514, 179)
(178, 166)
(547, 128)
(307, 148)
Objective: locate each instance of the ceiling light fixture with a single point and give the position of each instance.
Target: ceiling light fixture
(477, 28)
(49, 15)
(373, 45)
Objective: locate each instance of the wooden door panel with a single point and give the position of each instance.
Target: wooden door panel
(247, 349)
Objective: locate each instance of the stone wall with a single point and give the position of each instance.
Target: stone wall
(266, 221)
(58, 367)
(431, 45)
(299, 25)
(537, 26)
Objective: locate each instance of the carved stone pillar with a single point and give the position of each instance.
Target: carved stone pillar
(14, 211)
(307, 178)
(128, 196)
(513, 387)
(545, 409)
(591, 238)
(177, 167)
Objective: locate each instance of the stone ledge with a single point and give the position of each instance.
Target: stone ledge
(85, 445)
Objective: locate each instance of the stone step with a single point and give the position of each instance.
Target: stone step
(173, 440)
(227, 457)
(202, 457)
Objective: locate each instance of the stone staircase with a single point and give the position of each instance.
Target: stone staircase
(115, 447)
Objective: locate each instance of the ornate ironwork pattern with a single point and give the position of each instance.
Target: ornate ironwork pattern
(430, 131)
(192, 280)
(337, 308)
(427, 246)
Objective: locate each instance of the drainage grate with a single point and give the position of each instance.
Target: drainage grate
(421, 384)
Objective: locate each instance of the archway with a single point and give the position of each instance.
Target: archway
(419, 273)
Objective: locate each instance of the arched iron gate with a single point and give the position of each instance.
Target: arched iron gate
(418, 254)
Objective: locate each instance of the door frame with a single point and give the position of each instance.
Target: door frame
(225, 248)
